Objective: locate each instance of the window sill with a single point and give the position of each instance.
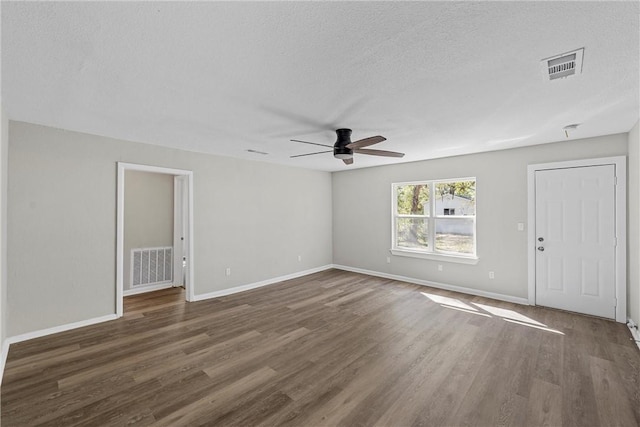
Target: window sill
(436, 257)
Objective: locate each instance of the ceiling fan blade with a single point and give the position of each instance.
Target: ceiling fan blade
(312, 143)
(348, 161)
(311, 154)
(366, 142)
(378, 152)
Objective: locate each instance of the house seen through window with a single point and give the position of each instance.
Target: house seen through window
(435, 217)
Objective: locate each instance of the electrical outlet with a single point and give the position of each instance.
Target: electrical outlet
(388, 260)
(228, 271)
(439, 267)
(299, 258)
(492, 275)
(521, 226)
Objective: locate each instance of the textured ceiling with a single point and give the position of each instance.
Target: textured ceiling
(436, 79)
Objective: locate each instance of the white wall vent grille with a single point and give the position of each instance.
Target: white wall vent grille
(150, 266)
(561, 66)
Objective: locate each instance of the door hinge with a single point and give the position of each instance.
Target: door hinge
(615, 302)
(615, 180)
(615, 242)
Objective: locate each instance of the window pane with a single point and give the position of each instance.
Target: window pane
(412, 233)
(413, 199)
(456, 198)
(454, 235)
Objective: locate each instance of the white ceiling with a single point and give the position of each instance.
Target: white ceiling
(436, 79)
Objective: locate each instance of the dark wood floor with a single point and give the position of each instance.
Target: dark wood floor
(333, 348)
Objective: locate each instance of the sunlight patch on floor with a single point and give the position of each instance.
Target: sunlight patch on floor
(543, 328)
(507, 315)
(452, 302)
(476, 312)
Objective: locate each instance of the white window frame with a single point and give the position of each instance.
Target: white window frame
(432, 253)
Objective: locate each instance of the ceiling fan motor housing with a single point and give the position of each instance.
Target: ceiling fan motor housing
(340, 150)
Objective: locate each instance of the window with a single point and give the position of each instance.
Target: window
(433, 219)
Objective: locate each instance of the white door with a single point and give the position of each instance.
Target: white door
(575, 239)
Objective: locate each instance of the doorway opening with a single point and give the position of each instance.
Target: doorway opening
(577, 236)
(172, 266)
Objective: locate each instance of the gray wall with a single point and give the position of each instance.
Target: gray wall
(362, 213)
(634, 225)
(253, 217)
(4, 151)
(148, 214)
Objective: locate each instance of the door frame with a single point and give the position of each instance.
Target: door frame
(620, 163)
(180, 226)
(122, 167)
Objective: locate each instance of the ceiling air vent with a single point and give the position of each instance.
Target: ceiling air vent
(561, 66)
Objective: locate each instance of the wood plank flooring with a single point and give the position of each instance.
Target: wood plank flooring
(329, 349)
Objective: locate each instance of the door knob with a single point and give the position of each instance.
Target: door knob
(541, 248)
(540, 239)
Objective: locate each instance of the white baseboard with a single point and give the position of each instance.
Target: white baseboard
(61, 328)
(144, 289)
(634, 331)
(470, 291)
(255, 285)
(3, 362)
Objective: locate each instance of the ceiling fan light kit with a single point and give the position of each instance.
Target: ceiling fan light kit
(343, 148)
(340, 150)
